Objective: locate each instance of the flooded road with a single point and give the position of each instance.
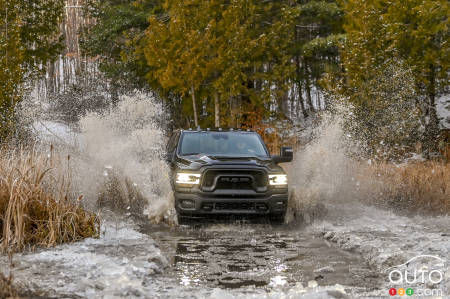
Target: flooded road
(235, 256)
(341, 256)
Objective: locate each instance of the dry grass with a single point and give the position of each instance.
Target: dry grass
(7, 289)
(423, 186)
(36, 207)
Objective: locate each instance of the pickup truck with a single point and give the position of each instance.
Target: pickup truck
(226, 172)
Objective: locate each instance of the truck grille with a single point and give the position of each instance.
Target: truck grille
(225, 179)
(235, 206)
(231, 182)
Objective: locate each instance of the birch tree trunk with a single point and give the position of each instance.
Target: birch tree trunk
(308, 87)
(216, 110)
(194, 106)
(233, 113)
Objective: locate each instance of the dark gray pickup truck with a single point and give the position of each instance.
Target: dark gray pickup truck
(226, 172)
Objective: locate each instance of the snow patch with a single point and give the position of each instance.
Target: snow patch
(298, 291)
(443, 110)
(114, 265)
(386, 239)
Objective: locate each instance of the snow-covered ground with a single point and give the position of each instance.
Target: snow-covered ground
(443, 110)
(125, 263)
(386, 239)
(114, 265)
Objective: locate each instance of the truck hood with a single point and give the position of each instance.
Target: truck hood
(195, 162)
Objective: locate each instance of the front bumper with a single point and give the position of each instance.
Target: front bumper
(206, 203)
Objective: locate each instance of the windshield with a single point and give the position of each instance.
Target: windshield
(229, 144)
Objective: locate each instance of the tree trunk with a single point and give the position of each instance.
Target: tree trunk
(216, 110)
(302, 103)
(308, 87)
(231, 120)
(194, 106)
(432, 127)
(51, 86)
(299, 83)
(284, 105)
(292, 112)
(233, 113)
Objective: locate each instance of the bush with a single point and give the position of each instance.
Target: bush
(36, 206)
(420, 186)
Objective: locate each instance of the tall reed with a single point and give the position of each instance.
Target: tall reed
(36, 203)
(420, 186)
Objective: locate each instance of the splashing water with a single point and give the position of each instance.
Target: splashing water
(129, 140)
(123, 148)
(325, 170)
(120, 159)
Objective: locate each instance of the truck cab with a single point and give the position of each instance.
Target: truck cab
(226, 172)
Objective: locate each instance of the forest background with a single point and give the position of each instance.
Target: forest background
(272, 66)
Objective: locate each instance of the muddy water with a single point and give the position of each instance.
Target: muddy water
(235, 256)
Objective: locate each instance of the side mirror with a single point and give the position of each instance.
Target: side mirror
(286, 155)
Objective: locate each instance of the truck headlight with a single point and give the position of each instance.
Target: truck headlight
(185, 178)
(278, 179)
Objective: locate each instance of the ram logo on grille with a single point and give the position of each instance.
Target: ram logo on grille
(234, 180)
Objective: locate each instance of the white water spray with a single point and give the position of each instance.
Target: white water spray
(325, 170)
(127, 143)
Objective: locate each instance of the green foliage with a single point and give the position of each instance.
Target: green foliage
(318, 34)
(11, 61)
(227, 56)
(386, 122)
(323, 46)
(28, 40)
(113, 38)
(39, 31)
(413, 31)
(419, 32)
(207, 47)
